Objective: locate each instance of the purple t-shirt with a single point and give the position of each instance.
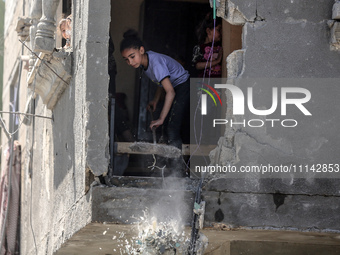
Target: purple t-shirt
(161, 66)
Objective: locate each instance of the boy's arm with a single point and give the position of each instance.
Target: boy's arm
(169, 98)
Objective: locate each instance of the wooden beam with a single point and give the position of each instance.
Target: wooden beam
(202, 150)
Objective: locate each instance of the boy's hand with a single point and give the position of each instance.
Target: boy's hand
(156, 123)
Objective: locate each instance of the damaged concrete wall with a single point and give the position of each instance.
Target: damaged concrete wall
(59, 154)
(281, 39)
(93, 39)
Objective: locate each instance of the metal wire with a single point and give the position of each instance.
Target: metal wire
(194, 231)
(23, 43)
(11, 142)
(28, 114)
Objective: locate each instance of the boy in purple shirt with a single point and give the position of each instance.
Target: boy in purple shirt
(168, 74)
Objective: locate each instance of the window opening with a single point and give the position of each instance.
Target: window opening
(64, 11)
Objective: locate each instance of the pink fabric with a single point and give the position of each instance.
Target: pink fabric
(10, 238)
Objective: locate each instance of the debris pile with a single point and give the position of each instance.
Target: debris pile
(155, 238)
(163, 150)
(163, 238)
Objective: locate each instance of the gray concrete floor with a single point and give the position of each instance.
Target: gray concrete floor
(97, 238)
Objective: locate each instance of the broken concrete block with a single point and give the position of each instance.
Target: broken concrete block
(234, 15)
(23, 28)
(235, 63)
(227, 155)
(335, 36)
(336, 10)
(202, 244)
(199, 209)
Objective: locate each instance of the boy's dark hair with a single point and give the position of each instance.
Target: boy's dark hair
(208, 22)
(131, 40)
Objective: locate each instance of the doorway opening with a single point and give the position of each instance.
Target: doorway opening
(167, 27)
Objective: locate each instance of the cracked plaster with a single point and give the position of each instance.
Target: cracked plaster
(269, 51)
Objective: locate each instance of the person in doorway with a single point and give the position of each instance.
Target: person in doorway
(169, 75)
(207, 60)
(65, 26)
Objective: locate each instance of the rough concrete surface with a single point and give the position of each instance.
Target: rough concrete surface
(281, 39)
(127, 205)
(97, 80)
(54, 177)
(268, 10)
(235, 63)
(240, 12)
(272, 211)
(298, 186)
(296, 49)
(110, 239)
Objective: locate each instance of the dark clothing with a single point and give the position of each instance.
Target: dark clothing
(122, 122)
(179, 116)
